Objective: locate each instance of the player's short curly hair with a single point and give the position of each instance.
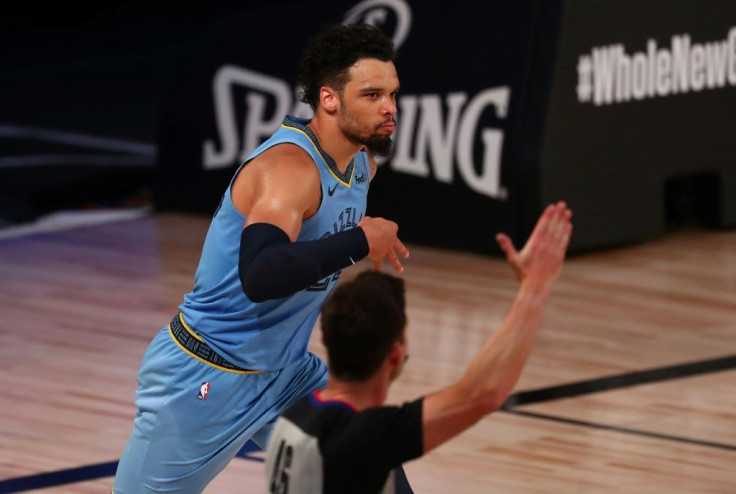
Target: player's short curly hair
(361, 321)
(328, 57)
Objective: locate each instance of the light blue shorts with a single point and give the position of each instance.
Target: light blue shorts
(193, 417)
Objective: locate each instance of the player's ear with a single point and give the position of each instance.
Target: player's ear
(329, 99)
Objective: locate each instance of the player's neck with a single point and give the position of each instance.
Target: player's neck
(333, 141)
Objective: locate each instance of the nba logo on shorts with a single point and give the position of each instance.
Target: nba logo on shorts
(203, 390)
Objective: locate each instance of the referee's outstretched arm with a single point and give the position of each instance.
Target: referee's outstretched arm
(493, 373)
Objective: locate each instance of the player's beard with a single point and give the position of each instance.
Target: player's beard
(379, 146)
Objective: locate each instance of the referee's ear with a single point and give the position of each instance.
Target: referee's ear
(396, 358)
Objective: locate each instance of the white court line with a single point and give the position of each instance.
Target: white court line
(82, 140)
(65, 220)
(140, 154)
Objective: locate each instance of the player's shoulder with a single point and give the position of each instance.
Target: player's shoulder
(286, 159)
(284, 153)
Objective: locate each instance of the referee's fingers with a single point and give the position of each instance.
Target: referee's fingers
(559, 220)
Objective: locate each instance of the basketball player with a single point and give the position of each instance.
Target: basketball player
(341, 439)
(292, 218)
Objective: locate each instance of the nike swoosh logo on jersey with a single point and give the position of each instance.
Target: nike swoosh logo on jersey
(331, 191)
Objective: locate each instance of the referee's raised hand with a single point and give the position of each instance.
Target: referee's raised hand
(545, 249)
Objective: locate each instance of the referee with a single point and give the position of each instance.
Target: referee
(343, 439)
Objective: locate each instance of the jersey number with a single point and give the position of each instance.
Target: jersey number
(280, 476)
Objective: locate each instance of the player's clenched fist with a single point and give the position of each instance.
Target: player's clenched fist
(383, 242)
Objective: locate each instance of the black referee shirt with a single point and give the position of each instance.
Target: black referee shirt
(329, 447)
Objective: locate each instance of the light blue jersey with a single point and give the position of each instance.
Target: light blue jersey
(197, 410)
(218, 310)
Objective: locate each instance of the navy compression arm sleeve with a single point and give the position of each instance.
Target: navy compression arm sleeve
(271, 266)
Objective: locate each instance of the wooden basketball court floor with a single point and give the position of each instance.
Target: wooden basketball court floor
(631, 386)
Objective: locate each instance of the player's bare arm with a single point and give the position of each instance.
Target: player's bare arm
(280, 187)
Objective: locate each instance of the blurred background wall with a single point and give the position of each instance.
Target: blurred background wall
(624, 109)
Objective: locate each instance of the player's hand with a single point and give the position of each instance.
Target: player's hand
(550, 237)
(383, 242)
